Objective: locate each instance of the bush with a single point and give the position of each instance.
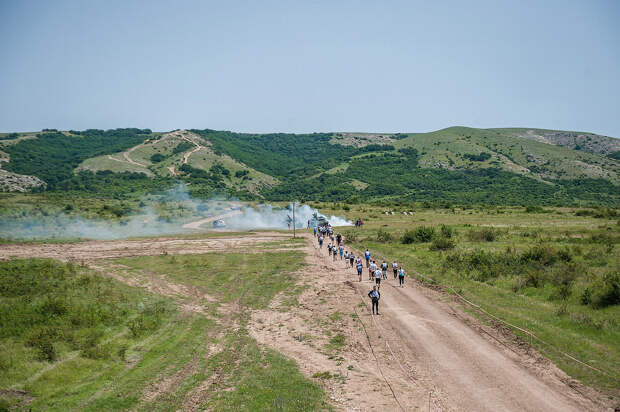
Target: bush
(442, 243)
(422, 234)
(487, 234)
(607, 291)
(157, 157)
(446, 231)
(541, 254)
(384, 236)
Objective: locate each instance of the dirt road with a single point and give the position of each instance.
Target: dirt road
(106, 249)
(462, 367)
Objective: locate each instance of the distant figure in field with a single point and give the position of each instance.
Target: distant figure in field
(374, 296)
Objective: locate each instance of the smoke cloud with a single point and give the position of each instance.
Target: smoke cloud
(230, 214)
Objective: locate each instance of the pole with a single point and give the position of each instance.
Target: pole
(293, 218)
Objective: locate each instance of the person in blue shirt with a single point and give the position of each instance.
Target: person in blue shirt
(360, 268)
(367, 256)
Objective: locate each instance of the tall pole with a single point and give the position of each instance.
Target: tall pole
(293, 218)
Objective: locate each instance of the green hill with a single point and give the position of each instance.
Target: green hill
(456, 165)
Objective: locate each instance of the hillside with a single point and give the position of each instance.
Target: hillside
(456, 165)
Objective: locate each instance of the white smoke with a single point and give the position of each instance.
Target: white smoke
(148, 222)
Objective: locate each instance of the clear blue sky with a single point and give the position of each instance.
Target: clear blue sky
(302, 66)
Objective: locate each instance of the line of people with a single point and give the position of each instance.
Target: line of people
(336, 249)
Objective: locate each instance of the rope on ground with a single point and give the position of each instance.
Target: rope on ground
(387, 343)
(377, 360)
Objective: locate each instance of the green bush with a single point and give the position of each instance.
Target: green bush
(487, 234)
(421, 234)
(442, 243)
(446, 231)
(157, 157)
(384, 236)
(606, 291)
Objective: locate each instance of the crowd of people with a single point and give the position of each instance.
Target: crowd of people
(376, 272)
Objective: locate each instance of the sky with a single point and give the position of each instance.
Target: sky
(310, 66)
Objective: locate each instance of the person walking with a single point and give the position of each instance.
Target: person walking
(346, 257)
(351, 258)
(320, 241)
(338, 238)
(384, 267)
(374, 296)
(367, 256)
(401, 277)
(395, 269)
(378, 273)
(314, 230)
(340, 250)
(371, 270)
(360, 268)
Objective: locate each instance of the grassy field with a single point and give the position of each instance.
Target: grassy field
(72, 339)
(550, 271)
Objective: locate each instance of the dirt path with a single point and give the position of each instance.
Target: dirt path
(431, 353)
(191, 152)
(129, 159)
(196, 224)
(105, 249)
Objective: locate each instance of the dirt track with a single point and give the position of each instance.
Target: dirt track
(427, 354)
(433, 355)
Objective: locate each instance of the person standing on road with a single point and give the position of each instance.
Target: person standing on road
(351, 258)
(395, 269)
(346, 258)
(340, 250)
(384, 269)
(335, 252)
(367, 256)
(360, 268)
(401, 277)
(374, 296)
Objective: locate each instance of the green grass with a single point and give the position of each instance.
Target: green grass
(589, 334)
(142, 341)
(250, 279)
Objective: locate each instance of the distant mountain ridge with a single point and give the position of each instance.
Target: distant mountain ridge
(456, 164)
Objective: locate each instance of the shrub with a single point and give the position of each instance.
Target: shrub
(487, 234)
(424, 234)
(542, 254)
(408, 237)
(442, 243)
(157, 157)
(446, 231)
(607, 292)
(384, 236)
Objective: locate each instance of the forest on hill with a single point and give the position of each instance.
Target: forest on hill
(455, 165)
